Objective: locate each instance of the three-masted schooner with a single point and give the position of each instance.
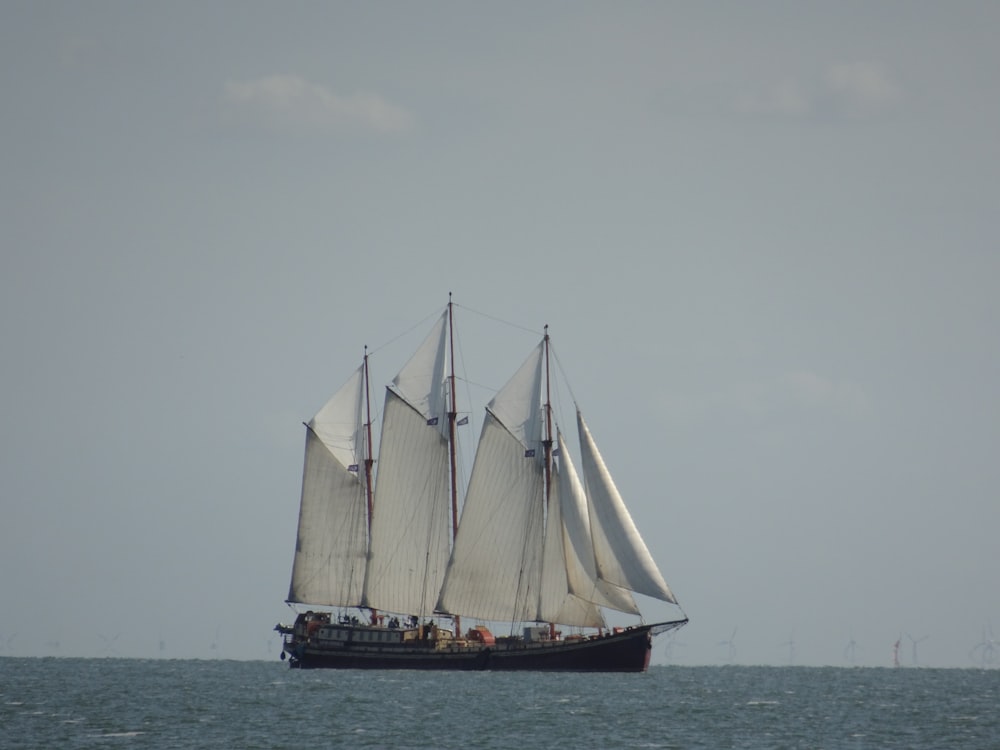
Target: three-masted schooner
(538, 545)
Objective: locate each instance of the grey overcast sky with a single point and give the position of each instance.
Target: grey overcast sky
(765, 236)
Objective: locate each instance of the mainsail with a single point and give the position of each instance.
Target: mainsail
(409, 535)
(332, 542)
(495, 567)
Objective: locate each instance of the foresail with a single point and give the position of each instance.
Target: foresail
(330, 549)
(557, 603)
(495, 568)
(410, 528)
(622, 557)
(581, 566)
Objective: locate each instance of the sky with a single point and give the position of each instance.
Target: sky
(764, 236)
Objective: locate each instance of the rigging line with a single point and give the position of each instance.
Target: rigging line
(565, 377)
(474, 384)
(418, 324)
(562, 414)
(499, 320)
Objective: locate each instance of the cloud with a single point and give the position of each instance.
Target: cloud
(290, 103)
(862, 86)
(845, 89)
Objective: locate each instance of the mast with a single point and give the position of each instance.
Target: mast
(369, 460)
(452, 416)
(547, 444)
(547, 441)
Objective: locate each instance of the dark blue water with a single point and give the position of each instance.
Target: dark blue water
(122, 703)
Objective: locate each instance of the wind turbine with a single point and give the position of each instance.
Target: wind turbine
(987, 646)
(732, 646)
(895, 651)
(915, 641)
(850, 650)
(791, 648)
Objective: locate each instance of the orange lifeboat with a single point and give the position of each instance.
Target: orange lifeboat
(481, 634)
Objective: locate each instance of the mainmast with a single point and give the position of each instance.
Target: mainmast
(369, 462)
(452, 416)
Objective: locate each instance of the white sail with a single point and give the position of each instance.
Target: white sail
(621, 555)
(556, 602)
(410, 526)
(329, 564)
(495, 568)
(422, 382)
(581, 566)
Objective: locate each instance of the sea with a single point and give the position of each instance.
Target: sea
(134, 703)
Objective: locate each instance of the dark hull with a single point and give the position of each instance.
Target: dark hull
(626, 651)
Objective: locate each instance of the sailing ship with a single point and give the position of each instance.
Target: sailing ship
(385, 573)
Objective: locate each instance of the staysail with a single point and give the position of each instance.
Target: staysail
(332, 541)
(622, 557)
(581, 565)
(557, 602)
